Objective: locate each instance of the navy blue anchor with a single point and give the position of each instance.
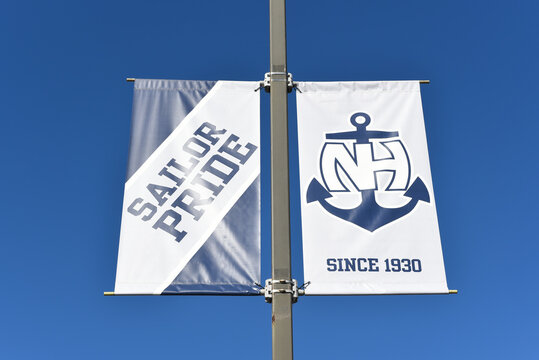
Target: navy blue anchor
(368, 215)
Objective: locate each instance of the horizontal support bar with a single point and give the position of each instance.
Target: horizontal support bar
(451, 292)
(112, 293)
(420, 81)
(262, 291)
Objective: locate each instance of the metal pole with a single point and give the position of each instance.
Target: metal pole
(281, 319)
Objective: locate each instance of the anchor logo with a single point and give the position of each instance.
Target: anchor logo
(357, 171)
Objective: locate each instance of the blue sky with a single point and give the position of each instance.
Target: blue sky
(65, 110)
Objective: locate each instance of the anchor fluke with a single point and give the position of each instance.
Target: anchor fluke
(369, 215)
(316, 192)
(418, 191)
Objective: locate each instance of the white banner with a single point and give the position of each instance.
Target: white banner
(191, 213)
(367, 203)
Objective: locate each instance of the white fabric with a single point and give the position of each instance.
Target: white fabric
(325, 108)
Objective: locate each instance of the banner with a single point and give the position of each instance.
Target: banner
(367, 204)
(191, 212)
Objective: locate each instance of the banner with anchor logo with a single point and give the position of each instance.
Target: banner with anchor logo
(368, 213)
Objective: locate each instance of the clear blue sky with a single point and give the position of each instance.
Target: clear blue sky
(65, 110)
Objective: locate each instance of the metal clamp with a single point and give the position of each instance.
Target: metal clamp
(269, 289)
(266, 84)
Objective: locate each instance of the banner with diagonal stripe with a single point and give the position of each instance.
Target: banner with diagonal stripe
(191, 212)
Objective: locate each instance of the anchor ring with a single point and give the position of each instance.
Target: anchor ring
(366, 121)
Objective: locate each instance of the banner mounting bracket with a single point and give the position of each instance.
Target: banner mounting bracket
(266, 83)
(283, 286)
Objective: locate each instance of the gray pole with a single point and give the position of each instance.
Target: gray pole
(281, 319)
